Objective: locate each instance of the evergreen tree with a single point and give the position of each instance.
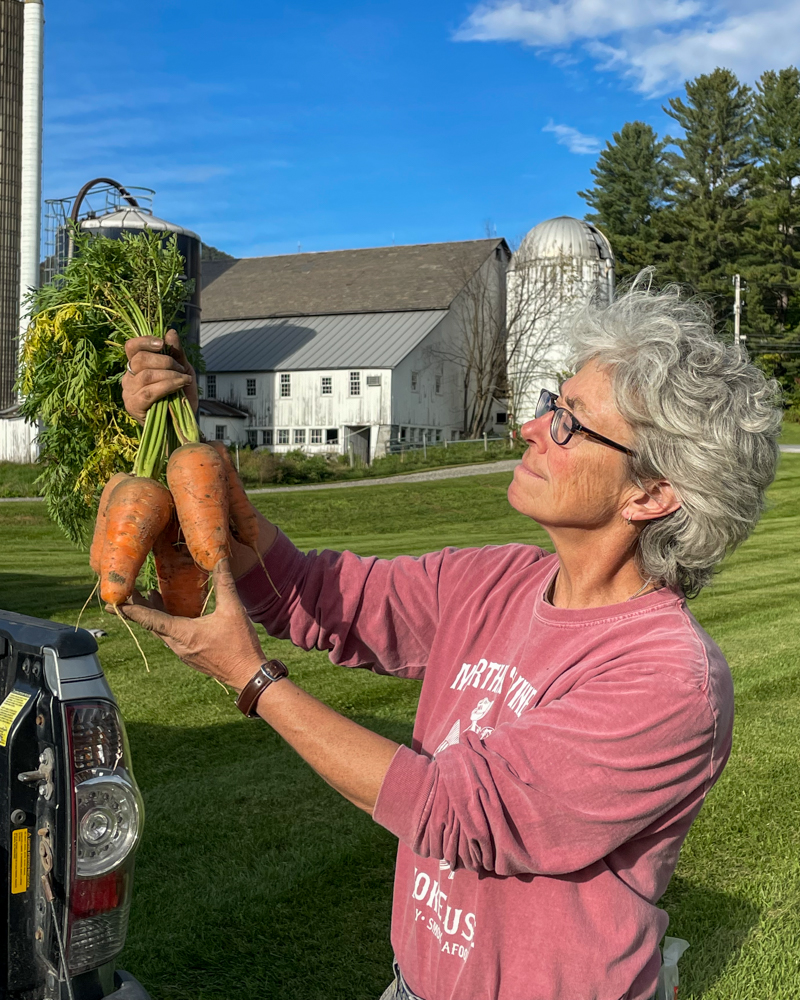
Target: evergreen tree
(631, 180)
(772, 266)
(713, 168)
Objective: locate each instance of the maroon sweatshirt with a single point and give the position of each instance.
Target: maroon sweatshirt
(559, 758)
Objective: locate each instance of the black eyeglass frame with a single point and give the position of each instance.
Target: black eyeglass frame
(547, 404)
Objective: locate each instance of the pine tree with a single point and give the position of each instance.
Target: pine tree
(772, 267)
(713, 168)
(631, 180)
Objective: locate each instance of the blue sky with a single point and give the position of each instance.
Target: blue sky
(341, 124)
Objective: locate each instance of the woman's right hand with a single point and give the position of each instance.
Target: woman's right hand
(153, 373)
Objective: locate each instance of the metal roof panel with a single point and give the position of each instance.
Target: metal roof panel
(359, 340)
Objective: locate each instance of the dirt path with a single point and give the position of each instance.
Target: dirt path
(454, 472)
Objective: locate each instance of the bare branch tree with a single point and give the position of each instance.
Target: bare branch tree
(476, 341)
(541, 293)
(507, 340)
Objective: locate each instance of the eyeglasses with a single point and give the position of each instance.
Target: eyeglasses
(564, 424)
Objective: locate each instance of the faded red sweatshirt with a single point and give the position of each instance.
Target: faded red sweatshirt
(559, 758)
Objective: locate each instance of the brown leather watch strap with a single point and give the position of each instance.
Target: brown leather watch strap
(267, 673)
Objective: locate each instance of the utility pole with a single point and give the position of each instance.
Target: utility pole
(737, 309)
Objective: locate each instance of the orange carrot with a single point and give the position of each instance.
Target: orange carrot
(182, 583)
(137, 512)
(199, 486)
(99, 537)
(242, 513)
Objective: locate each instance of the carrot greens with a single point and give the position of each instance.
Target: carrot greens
(72, 363)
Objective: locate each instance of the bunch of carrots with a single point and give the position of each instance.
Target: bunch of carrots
(185, 524)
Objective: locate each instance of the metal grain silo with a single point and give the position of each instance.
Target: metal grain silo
(560, 265)
(131, 219)
(106, 208)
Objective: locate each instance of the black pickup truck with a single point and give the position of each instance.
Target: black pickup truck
(70, 818)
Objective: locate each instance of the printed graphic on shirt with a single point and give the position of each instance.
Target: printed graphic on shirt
(453, 929)
(452, 737)
(496, 678)
(476, 715)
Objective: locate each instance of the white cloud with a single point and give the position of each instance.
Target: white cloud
(575, 141)
(656, 45)
(544, 23)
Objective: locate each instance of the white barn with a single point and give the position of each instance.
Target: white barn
(345, 351)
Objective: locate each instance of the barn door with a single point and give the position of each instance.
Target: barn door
(358, 444)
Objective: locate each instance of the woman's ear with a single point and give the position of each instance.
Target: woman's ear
(657, 500)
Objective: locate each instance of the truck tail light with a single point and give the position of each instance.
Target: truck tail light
(106, 820)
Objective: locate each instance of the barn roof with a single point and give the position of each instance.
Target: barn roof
(360, 340)
(381, 279)
(216, 408)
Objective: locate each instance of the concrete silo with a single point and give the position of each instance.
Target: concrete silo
(11, 58)
(560, 265)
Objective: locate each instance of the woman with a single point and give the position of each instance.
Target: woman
(573, 714)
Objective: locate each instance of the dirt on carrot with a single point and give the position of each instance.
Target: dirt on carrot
(138, 511)
(199, 486)
(182, 583)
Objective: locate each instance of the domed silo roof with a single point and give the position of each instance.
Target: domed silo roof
(565, 237)
(136, 219)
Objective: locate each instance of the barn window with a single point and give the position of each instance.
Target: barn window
(414, 381)
(283, 436)
(300, 436)
(211, 386)
(252, 438)
(373, 380)
(332, 435)
(403, 431)
(502, 418)
(327, 385)
(266, 436)
(286, 386)
(438, 383)
(316, 435)
(251, 387)
(221, 432)
(355, 383)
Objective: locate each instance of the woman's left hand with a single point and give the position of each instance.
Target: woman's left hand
(223, 644)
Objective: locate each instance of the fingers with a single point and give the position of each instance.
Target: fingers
(173, 342)
(154, 345)
(140, 391)
(143, 362)
(225, 587)
(154, 621)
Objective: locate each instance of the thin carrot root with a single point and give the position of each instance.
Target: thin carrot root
(86, 604)
(208, 598)
(127, 626)
(266, 571)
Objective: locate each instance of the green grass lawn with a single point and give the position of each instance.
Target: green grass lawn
(790, 433)
(254, 879)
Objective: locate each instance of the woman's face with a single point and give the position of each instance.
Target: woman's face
(583, 484)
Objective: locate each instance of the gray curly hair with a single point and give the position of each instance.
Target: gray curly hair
(703, 417)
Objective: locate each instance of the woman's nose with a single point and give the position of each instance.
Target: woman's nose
(536, 432)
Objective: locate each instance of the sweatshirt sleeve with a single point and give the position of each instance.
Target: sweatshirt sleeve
(562, 787)
(380, 614)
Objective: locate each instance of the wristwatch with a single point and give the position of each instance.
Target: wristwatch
(267, 673)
